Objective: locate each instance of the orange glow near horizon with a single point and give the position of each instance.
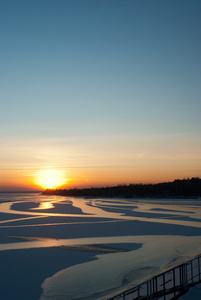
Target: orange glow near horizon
(50, 178)
(86, 177)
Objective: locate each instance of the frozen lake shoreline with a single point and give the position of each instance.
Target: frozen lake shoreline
(92, 248)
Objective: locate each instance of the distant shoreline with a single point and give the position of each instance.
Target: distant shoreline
(19, 192)
(176, 189)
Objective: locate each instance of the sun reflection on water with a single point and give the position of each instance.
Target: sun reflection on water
(45, 205)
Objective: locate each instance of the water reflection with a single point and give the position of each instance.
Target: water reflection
(152, 211)
(44, 205)
(37, 210)
(118, 270)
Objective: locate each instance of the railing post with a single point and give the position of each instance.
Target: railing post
(185, 275)
(199, 267)
(138, 293)
(147, 290)
(156, 282)
(181, 275)
(174, 283)
(164, 296)
(150, 289)
(192, 275)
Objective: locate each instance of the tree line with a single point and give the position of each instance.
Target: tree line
(177, 188)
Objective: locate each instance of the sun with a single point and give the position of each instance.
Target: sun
(50, 179)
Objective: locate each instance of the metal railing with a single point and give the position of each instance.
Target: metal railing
(167, 285)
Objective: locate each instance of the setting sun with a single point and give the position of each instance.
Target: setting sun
(50, 179)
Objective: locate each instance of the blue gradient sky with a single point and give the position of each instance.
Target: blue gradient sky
(107, 90)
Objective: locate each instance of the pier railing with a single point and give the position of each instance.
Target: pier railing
(168, 285)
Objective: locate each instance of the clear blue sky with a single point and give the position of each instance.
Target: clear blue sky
(101, 83)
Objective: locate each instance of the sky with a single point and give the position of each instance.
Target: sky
(99, 92)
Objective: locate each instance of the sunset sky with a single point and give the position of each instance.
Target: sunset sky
(99, 92)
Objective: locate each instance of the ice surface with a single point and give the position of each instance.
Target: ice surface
(105, 276)
(169, 232)
(193, 294)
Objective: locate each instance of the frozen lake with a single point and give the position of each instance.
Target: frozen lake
(63, 248)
